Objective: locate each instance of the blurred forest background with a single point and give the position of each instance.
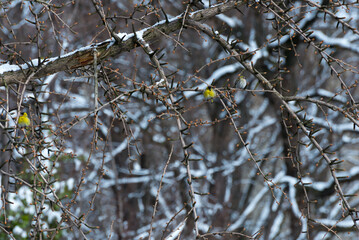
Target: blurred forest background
(123, 145)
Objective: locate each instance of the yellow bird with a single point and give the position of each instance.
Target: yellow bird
(209, 93)
(24, 120)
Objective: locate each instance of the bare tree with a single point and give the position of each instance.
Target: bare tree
(123, 145)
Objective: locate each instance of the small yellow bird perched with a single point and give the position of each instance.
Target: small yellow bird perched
(209, 93)
(24, 120)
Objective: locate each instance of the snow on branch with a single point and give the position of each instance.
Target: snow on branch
(84, 56)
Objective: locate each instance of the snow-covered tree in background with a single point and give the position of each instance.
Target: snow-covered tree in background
(123, 145)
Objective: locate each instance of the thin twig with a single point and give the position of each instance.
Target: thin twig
(158, 192)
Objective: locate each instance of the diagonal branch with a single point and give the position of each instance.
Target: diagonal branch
(266, 84)
(84, 56)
